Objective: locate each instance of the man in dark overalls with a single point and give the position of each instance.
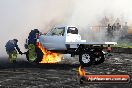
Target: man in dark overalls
(11, 49)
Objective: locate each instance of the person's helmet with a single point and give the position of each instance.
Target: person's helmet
(36, 30)
(15, 40)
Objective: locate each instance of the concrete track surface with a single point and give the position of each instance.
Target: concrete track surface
(63, 74)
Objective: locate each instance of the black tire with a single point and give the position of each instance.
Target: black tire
(39, 55)
(99, 59)
(86, 59)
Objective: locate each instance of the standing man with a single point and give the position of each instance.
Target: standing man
(11, 49)
(125, 30)
(109, 32)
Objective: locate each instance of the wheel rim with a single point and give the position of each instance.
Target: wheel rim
(85, 58)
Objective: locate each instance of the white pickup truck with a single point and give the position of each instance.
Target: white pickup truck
(66, 40)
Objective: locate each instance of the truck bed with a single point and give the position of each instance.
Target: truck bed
(93, 43)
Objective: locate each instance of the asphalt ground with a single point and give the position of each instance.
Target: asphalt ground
(63, 74)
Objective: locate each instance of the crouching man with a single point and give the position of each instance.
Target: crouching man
(11, 49)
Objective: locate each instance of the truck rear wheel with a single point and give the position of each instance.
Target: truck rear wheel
(86, 59)
(99, 58)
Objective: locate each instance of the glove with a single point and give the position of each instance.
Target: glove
(20, 53)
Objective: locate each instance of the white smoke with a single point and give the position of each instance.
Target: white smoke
(88, 13)
(18, 17)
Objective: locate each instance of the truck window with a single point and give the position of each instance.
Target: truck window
(72, 30)
(56, 32)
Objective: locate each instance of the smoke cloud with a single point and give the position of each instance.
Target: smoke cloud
(18, 17)
(89, 13)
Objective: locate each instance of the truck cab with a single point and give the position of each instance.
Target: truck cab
(56, 38)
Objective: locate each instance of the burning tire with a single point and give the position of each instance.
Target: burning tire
(39, 54)
(99, 58)
(37, 57)
(86, 59)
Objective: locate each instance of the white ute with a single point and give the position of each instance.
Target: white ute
(66, 40)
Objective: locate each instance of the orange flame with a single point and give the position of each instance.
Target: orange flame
(49, 57)
(82, 71)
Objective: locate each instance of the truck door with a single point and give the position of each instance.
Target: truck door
(55, 39)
